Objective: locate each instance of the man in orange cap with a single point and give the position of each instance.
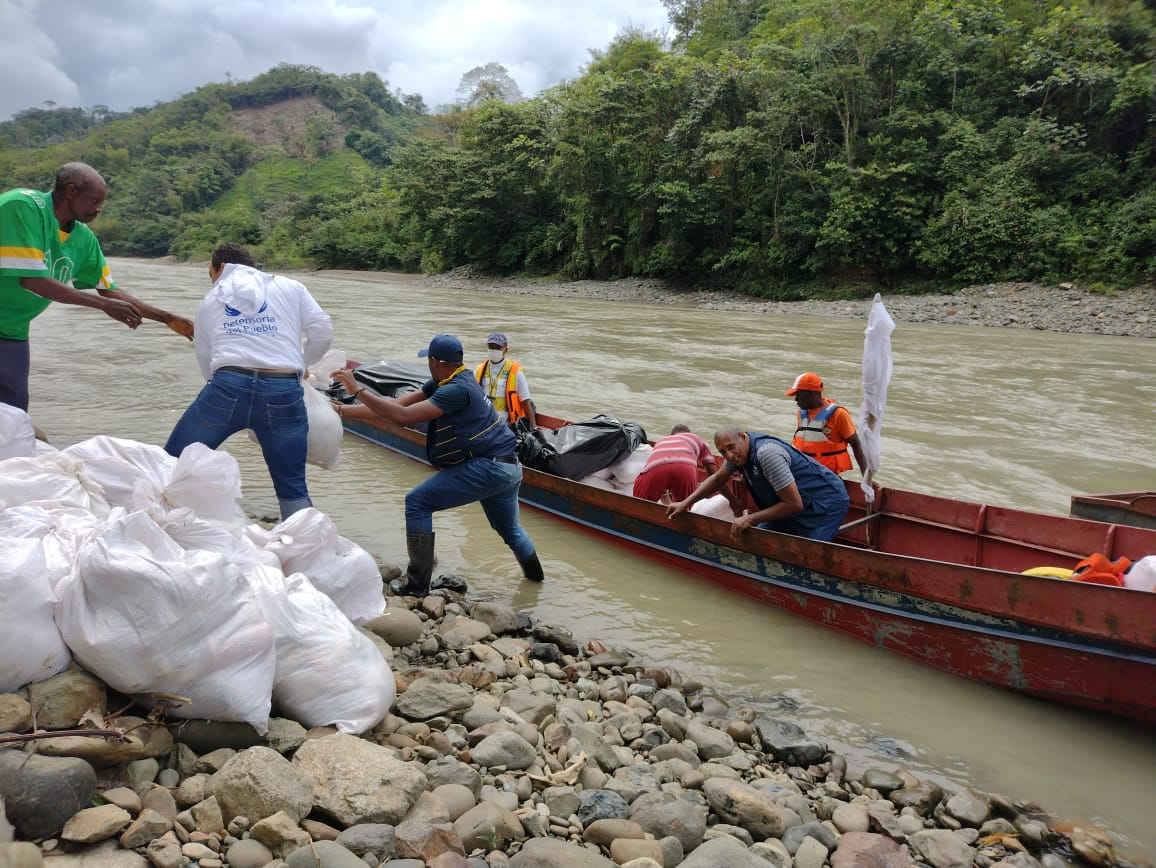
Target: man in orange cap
(824, 429)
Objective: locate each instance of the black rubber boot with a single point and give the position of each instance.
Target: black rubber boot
(415, 582)
(532, 568)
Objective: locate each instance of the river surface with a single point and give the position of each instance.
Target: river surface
(1010, 417)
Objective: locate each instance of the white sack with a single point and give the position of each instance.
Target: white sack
(60, 531)
(146, 617)
(142, 476)
(333, 360)
(17, 434)
(31, 647)
(624, 472)
(877, 367)
(52, 479)
(196, 534)
(208, 482)
(1141, 576)
(133, 475)
(716, 506)
(328, 672)
(325, 430)
(308, 542)
(596, 481)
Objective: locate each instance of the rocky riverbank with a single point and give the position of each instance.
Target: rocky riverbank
(511, 743)
(1067, 308)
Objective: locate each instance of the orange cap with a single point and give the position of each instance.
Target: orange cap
(805, 383)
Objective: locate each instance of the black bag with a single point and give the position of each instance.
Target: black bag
(393, 379)
(580, 448)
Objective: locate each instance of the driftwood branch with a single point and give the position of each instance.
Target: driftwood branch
(57, 733)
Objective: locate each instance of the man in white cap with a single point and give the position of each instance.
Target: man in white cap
(824, 428)
(475, 453)
(504, 382)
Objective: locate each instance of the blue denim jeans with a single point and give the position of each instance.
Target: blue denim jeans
(14, 367)
(493, 483)
(274, 408)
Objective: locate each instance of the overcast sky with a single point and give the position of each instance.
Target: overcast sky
(128, 53)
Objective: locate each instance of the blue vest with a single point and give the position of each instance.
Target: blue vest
(477, 431)
(823, 493)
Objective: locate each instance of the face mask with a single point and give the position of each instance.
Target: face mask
(496, 356)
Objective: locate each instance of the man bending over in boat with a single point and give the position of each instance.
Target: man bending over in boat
(794, 493)
(475, 452)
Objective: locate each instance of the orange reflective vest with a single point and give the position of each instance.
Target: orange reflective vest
(813, 434)
(509, 400)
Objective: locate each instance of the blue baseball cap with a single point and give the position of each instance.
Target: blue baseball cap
(443, 348)
(498, 339)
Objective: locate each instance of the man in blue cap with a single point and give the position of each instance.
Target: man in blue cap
(471, 445)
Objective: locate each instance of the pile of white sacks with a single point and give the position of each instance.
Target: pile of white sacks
(620, 477)
(142, 567)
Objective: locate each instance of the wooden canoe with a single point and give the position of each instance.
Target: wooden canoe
(1135, 507)
(935, 579)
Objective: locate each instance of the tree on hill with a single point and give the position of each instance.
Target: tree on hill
(490, 81)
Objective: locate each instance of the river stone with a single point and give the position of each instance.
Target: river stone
(355, 781)
(942, 848)
(456, 798)
(40, 793)
(461, 632)
(559, 636)
(553, 853)
(60, 701)
(595, 746)
(285, 735)
(851, 818)
(323, 854)
(922, 797)
(636, 852)
(376, 838)
(95, 824)
(530, 706)
(721, 851)
(427, 698)
(883, 781)
(597, 804)
(248, 853)
(711, 743)
(147, 827)
(21, 854)
(789, 743)
(498, 617)
(666, 815)
(969, 807)
(398, 626)
(602, 832)
(631, 781)
(745, 806)
(793, 838)
(257, 783)
(810, 854)
(506, 749)
(280, 834)
(15, 713)
(449, 770)
(107, 854)
(488, 825)
(856, 849)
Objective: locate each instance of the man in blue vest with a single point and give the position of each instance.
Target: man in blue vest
(794, 493)
(473, 448)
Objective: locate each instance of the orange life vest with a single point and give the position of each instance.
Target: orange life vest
(509, 401)
(1098, 570)
(812, 436)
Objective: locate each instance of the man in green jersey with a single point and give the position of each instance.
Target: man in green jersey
(46, 249)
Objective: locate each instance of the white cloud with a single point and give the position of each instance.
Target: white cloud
(129, 53)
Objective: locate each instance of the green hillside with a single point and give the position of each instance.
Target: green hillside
(779, 149)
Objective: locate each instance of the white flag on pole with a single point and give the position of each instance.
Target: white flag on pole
(876, 377)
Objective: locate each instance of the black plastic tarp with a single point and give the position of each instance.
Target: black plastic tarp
(580, 448)
(393, 379)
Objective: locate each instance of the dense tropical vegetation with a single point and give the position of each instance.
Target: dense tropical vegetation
(775, 148)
